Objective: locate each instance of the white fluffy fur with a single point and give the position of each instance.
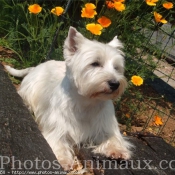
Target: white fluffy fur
(72, 100)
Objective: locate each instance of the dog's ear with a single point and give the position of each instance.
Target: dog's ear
(115, 43)
(72, 42)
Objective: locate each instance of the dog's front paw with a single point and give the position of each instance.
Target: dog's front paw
(66, 163)
(115, 153)
(114, 149)
(70, 164)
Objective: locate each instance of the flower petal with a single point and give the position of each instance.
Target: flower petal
(119, 6)
(57, 11)
(158, 18)
(137, 80)
(168, 5)
(119, 0)
(158, 120)
(94, 28)
(151, 2)
(35, 8)
(88, 11)
(110, 4)
(104, 21)
(90, 6)
(163, 21)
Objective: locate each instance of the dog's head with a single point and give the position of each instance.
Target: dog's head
(96, 69)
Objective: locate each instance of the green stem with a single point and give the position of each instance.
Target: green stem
(15, 53)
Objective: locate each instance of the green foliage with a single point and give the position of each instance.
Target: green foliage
(28, 35)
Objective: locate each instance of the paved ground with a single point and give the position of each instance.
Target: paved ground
(165, 39)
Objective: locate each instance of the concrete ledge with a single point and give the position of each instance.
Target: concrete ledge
(22, 145)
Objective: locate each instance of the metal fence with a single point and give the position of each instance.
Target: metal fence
(164, 38)
(154, 111)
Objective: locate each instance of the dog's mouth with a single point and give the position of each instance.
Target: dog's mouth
(104, 92)
(110, 91)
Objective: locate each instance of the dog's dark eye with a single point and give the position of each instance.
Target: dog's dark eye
(116, 68)
(96, 64)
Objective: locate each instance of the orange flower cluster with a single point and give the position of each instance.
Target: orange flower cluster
(157, 16)
(35, 9)
(117, 4)
(89, 12)
(167, 5)
(97, 28)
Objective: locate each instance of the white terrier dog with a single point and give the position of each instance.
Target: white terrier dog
(72, 100)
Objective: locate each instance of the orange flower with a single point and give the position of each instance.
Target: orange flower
(168, 5)
(119, 6)
(110, 4)
(94, 28)
(158, 18)
(119, 0)
(35, 8)
(127, 115)
(158, 120)
(137, 80)
(151, 2)
(88, 11)
(104, 21)
(57, 11)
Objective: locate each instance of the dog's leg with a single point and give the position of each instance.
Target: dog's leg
(64, 154)
(113, 144)
(62, 147)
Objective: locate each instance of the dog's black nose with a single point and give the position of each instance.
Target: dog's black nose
(113, 85)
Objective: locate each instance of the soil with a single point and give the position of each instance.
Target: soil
(137, 115)
(143, 117)
(6, 53)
